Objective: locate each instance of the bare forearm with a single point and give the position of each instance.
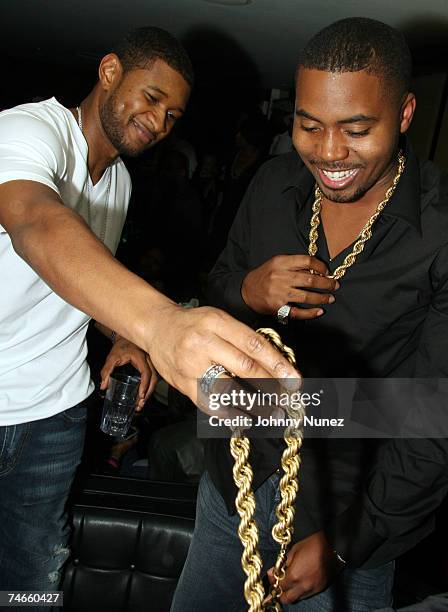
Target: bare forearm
(111, 334)
(80, 269)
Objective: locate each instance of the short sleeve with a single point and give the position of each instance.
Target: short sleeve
(30, 149)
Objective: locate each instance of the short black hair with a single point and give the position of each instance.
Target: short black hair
(142, 46)
(359, 43)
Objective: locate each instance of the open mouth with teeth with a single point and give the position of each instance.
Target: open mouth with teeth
(337, 179)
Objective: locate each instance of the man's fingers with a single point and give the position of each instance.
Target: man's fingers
(251, 392)
(251, 355)
(293, 586)
(145, 374)
(306, 262)
(292, 595)
(148, 382)
(104, 382)
(153, 379)
(106, 371)
(216, 401)
(305, 280)
(206, 336)
(139, 362)
(152, 386)
(305, 313)
(292, 589)
(310, 297)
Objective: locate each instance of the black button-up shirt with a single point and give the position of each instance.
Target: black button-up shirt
(390, 319)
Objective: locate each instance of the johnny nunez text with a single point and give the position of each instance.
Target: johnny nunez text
(271, 421)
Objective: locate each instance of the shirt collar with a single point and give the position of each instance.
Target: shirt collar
(302, 180)
(404, 204)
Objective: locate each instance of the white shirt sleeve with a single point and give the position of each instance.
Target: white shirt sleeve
(30, 149)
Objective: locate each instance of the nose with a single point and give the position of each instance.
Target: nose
(332, 146)
(157, 117)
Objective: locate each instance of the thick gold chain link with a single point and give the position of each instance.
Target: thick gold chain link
(366, 232)
(245, 502)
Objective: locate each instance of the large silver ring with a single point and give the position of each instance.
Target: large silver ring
(214, 371)
(283, 314)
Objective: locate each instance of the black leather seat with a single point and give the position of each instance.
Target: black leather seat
(130, 542)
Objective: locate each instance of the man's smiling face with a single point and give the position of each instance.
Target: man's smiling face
(143, 106)
(346, 131)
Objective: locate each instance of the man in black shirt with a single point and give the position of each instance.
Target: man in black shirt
(352, 237)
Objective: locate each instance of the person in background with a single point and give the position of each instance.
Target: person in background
(282, 121)
(177, 224)
(177, 143)
(207, 182)
(252, 144)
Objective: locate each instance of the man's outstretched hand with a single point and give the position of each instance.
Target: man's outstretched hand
(185, 342)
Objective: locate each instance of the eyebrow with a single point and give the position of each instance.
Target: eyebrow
(165, 95)
(354, 119)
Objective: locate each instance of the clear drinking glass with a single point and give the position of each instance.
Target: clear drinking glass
(119, 405)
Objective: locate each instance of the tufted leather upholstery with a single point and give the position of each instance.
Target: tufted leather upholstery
(130, 542)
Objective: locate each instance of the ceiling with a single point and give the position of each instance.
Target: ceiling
(263, 38)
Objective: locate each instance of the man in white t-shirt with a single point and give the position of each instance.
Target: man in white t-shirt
(63, 197)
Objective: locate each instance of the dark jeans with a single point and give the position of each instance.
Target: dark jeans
(38, 461)
(433, 603)
(212, 579)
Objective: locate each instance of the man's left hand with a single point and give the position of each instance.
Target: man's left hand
(311, 565)
(123, 352)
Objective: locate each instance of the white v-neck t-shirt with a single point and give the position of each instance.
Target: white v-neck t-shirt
(43, 368)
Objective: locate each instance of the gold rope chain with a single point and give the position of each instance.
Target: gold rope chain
(245, 501)
(366, 231)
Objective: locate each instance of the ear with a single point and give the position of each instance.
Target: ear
(110, 71)
(407, 112)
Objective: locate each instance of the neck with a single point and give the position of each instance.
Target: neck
(101, 153)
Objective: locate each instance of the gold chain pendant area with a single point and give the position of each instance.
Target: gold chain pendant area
(366, 231)
(245, 501)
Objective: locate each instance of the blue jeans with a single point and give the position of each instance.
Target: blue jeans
(212, 579)
(38, 461)
(433, 603)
